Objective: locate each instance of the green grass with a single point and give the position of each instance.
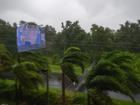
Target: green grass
(83, 96)
(57, 69)
(70, 95)
(124, 102)
(118, 102)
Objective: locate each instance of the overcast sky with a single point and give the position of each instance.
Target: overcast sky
(109, 13)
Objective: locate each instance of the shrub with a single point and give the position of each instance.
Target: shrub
(7, 89)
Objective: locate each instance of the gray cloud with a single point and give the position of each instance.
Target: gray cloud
(108, 13)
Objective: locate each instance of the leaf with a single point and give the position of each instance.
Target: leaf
(28, 75)
(69, 72)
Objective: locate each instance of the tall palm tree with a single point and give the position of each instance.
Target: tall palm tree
(41, 62)
(27, 76)
(26, 73)
(6, 60)
(113, 72)
(72, 56)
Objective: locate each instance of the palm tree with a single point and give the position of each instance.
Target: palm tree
(27, 71)
(27, 76)
(41, 62)
(72, 56)
(6, 60)
(113, 72)
(24, 71)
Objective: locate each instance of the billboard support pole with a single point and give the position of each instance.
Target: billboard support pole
(16, 90)
(17, 84)
(47, 75)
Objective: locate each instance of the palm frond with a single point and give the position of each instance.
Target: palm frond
(6, 59)
(105, 67)
(99, 97)
(28, 75)
(39, 59)
(73, 56)
(107, 83)
(69, 71)
(76, 62)
(120, 57)
(71, 50)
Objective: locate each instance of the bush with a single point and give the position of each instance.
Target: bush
(100, 98)
(7, 89)
(40, 98)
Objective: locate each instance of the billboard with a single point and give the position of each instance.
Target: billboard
(30, 37)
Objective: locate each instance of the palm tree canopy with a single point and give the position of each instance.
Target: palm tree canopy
(27, 74)
(73, 56)
(115, 72)
(6, 60)
(39, 59)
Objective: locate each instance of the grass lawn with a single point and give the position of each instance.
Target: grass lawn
(118, 102)
(124, 102)
(72, 94)
(57, 69)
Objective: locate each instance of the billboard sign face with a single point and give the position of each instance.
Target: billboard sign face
(30, 37)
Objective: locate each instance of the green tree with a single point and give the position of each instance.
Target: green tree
(8, 35)
(27, 71)
(72, 56)
(72, 34)
(114, 72)
(27, 79)
(50, 39)
(6, 60)
(102, 39)
(27, 75)
(40, 60)
(128, 36)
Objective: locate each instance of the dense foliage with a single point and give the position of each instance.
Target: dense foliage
(117, 71)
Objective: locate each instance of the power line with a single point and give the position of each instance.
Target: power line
(93, 43)
(127, 43)
(75, 43)
(83, 45)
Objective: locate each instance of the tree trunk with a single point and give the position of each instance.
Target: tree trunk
(16, 90)
(47, 87)
(63, 89)
(88, 99)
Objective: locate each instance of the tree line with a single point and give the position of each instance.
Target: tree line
(100, 39)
